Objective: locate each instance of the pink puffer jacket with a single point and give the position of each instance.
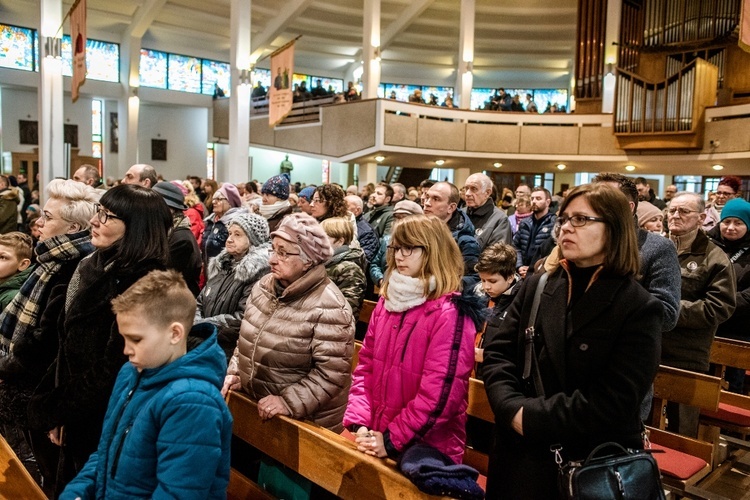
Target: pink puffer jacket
(412, 379)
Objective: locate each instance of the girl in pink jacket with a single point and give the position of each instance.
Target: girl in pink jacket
(411, 383)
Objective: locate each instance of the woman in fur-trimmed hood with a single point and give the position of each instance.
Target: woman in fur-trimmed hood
(231, 276)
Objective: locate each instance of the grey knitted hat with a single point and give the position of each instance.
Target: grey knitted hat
(304, 230)
(255, 227)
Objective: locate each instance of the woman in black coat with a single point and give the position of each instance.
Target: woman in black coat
(129, 232)
(597, 346)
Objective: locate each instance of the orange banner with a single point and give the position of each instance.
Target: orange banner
(78, 45)
(280, 94)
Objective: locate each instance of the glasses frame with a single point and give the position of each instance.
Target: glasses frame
(281, 254)
(682, 211)
(583, 220)
(104, 218)
(406, 251)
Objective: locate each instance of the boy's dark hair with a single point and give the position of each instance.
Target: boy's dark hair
(20, 243)
(627, 185)
(499, 258)
(162, 297)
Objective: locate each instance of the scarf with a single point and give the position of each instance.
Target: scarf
(405, 292)
(268, 211)
(521, 217)
(23, 313)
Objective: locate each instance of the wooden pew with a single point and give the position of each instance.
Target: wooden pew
(479, 407)
(15, 480)
(685, 461)
(327, 459)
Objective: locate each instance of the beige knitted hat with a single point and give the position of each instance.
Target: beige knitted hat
(645, 212)
(303, 230)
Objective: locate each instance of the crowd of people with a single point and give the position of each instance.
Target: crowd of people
(129, 312)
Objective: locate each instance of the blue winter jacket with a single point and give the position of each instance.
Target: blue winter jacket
(527, 241)
(167, 432)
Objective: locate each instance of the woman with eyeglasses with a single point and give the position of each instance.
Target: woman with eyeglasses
(28, 333)
(593, 351)
(129, 232)
(225, 202)
(297, 335)
(729, 188)
(412, 379)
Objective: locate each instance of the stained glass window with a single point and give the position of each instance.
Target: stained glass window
(96, 128)
(215, 72)
(102, 60)
(17, 47)
(153, 69)
(263, 76)
(480, 97)
(336, 83)
(184, 73)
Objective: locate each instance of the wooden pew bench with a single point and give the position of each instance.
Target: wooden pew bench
(685, 461)
(327, 459)
(15, 480)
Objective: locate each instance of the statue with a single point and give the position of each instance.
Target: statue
(286, 166)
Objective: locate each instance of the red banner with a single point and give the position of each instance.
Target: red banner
(78, 45)
(745, 26)
(280, 94)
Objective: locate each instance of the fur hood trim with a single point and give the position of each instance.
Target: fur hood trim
(251, 267)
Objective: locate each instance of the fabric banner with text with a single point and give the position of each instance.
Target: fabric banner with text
(745, 26)
(280, 94)
(78, 44)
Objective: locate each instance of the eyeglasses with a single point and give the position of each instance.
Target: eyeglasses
(218, 200)
(576, 220)
(723, 193)
(405, 251)
(281, 254)
(317, 200)
(682, 211)
(103, 215)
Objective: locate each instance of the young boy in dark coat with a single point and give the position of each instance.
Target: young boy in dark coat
(167, 431)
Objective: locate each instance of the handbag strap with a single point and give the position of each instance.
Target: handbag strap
(530, 359)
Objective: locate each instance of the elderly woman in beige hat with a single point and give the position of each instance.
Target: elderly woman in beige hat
(297, 335)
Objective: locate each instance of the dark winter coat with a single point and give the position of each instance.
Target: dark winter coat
(222, 301)
(167, 433)
(530, 236)
(9, 210)
(369, 240)
(463, 232)
(185, 255)
(381, 219)
(491, 225)
(346, 270)
(597, 360)
(76, 388)
(737, 325)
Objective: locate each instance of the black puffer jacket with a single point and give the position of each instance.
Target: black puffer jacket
(736, 325)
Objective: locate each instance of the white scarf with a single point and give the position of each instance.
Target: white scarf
(269, 211)
(405, 292)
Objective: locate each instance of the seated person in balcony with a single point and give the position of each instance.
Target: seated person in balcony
(515, 104)
(259, 91)
(318, 90)
(297, 336)
(351, 93)
(448, 102)
(501, 101)
(531, 105)
(416, 97)
(433, 100)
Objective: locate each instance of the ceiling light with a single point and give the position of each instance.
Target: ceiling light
(379, 158)
(439, 163)
(718, 167)
(497, 164)
(630, 168)
(560, 166)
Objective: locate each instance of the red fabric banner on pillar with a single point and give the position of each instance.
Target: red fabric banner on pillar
(280, 94)
(78, 45)
(745, 26)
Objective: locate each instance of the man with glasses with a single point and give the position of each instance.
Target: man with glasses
(729, 188)
(707, 299)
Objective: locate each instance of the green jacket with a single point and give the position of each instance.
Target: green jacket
(346, 270)
(9, 288)
(9, 210)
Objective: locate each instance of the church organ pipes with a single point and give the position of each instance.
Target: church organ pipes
(675, 22)
(590, 48)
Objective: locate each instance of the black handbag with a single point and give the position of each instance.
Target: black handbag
(612, 472)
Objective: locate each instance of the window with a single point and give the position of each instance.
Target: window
(263, 76)
(210, 161)
(102, 60)
(96, 128)
(153, 69)
(215, 72)
(184, 73)
(17, 48)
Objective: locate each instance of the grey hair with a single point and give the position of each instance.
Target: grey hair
(400, 187)
(355, 199)
(80, 199)
(700, 203)
(484, 180)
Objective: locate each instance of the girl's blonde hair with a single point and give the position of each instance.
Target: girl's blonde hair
(441, 258)
(339, 228)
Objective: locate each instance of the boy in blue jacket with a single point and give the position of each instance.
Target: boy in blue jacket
(167, 431)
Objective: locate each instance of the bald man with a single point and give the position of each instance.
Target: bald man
(142, 175)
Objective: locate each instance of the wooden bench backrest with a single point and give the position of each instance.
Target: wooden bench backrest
(730, 352)
(479, 405)
(15, 480)
(368, 306)
(325, 458)
(684, 387)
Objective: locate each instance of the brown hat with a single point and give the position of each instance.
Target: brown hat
(303, 230)
(407, 207)
(646, 211)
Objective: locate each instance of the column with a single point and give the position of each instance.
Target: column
(371, 49)
(51, 155)
(368, 172)
(238, 169)
(460, 175)
(464, 75)
(129, 106)
(611, 39)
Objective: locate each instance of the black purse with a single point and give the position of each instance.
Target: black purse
(620, 474)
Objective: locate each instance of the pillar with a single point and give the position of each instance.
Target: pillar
(129, 106)
(368, 172)
(238, 169)
(51, 156)
(460, 175)
(371, 49)
(464, 75)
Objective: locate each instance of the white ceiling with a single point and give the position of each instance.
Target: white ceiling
(518, 43)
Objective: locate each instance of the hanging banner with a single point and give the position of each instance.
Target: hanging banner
(78, 45)
(745, 26)
(280, 94)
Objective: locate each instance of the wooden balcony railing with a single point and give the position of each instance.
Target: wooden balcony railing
(664, 114)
